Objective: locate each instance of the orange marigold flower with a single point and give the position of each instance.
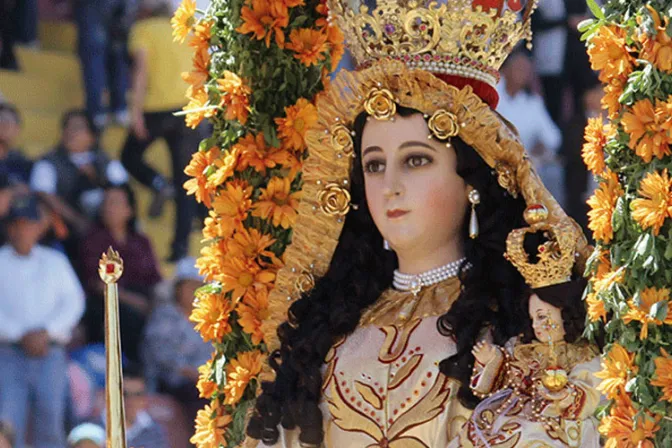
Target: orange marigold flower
(335, 39)
(658, 48)
(663, 375)
(183, 20)
(235, 97)
(198, 107)
(214, 227)
(602, 205)
(232, 204)
(298, 119)
(309, 45)
(210, 426)
(624, 429)
(612, 92)
(250, 244)
(241, 276)
(277, 203)
(609, 54)
(198, 169)
(255, 153)
(322, 10)
(201, 70)
(597, 135)
(206, 386)
(211, 315)
(596, 310)
(617, 368)
(209, 263)
(239, 373)
(293, 3)
(252, 311)
(649, 132)
(655, 204)
(264, 18)
(202, 35)
(642, 312)
(224, 167)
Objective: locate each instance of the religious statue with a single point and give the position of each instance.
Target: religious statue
(396, 268)
(539, 388)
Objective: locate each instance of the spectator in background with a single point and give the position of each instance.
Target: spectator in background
(6, 435)
(141, 429)
(172, 349)
(539, 134)
(578, 180)
(6, 195)
(158, 91)
(103, 27)
(12, 162)
(70, 179)
(86, 435)
(41, 301)
(116, 226)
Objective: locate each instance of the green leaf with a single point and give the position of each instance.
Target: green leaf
(585, 25)
(659, 310)
(595, 9)
(220, 372)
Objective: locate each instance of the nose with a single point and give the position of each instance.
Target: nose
(393, 184)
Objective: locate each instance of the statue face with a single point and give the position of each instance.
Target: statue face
(546, 320)
(416, 198)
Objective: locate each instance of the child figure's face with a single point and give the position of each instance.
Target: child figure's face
(546, 320)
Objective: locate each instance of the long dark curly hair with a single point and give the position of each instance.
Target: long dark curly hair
(492, 291)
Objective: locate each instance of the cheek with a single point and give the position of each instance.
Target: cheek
(374, 198)
(440, 201)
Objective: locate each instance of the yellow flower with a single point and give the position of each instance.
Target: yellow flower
(255, 153)
(277, 203)
(241, 276)
(211, 315)
(214, 227)
(624, 429)
(309, 45)
(232, 205)
(264, 18)
(209, 263)
(201, 70)
(250, 244)
(198, 107)
(655, 204)
(235, 97)
(239, 373)
(602, 205)
(202, 35)
(663, 375)
(612, 92)
(210, 426)
(641, 312)
(198, 170)
(206, 386)
(183, 20)
(335, 39)
(609, 54)
(657, 49)
(252, 311)
(596, 310)
(224, 167)
(617, 368)
(597, 135)
(649, 133)
(298, 119)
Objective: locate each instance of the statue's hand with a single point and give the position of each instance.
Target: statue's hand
(484, 352)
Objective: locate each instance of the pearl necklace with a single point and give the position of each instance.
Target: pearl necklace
(415, 282)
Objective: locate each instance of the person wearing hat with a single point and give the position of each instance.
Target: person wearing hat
(172, 350)
(41, 301)
(86, 435)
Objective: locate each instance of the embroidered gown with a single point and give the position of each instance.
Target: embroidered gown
(520, 412)
(382, 385)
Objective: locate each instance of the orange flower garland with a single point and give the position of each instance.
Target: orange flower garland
(602, 205)
(625, 429)
(617, 368)
(663, 374)
(655, 204)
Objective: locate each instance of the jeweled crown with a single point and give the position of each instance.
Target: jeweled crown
(466, 38)
(556, 256)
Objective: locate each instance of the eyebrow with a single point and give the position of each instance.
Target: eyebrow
(402, 146)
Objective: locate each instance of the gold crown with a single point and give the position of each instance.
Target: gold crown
(556, 256)
(467, 38)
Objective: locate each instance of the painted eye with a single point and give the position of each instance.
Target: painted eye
(374, 166)
(418, 161)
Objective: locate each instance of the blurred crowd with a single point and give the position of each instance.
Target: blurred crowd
(60, 212)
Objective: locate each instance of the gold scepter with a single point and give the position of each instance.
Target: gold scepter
(110, 268)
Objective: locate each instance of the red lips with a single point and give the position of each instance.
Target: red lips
(396, 213)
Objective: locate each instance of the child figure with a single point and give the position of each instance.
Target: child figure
(540, 388)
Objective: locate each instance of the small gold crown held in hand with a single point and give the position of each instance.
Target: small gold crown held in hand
(556, 256)
(110, 267)
(467, 38)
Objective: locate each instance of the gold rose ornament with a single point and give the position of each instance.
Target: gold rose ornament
(334, 200)
(443, 124)
(341, 139)
(380, 104)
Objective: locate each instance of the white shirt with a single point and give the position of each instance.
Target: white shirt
(38, 291)
(528, 114)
